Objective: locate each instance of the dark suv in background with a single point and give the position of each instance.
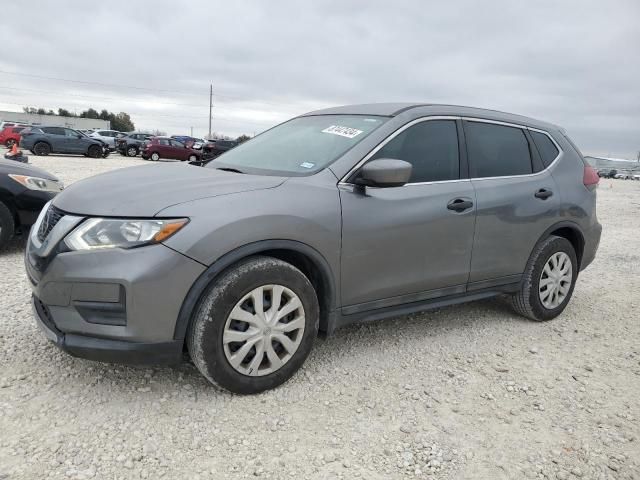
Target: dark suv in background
(342, 215)
(131, 144)
(46, 140)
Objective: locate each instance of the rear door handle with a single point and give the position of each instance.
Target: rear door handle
(459, 205)
(543, 194)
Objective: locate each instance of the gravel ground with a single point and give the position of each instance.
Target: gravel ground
(472, 391)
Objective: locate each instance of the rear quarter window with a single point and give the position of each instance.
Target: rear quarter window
(547, 149)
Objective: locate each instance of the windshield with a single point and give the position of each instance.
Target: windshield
(301, 146)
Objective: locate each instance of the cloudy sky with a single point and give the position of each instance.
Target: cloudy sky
(574, 63)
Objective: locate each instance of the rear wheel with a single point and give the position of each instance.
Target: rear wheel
(255, 326)
(42, 148)
(94, 151)
(548, 281)
(132, 151)
(7, 225)
(155, 156)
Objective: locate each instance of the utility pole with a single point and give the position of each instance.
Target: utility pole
(210, 107)
(192, 131)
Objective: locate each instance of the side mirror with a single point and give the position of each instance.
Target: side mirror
(384, 172)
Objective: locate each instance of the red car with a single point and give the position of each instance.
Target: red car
(165, 147)
(10, 135)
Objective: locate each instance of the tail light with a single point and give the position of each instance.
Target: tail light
(590, 178)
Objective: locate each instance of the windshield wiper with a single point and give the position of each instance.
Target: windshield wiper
(229, 169)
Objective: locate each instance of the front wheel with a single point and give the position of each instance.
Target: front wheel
(255, 326)
(155, 156)
(132, 151)
(193, 158)
(7, 225)
(42, 148)
(94, 151)
(548, 280)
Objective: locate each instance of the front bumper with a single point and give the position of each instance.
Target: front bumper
(105, 350)
(110, 305)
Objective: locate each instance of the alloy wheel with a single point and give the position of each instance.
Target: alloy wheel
(555, 280)
(263, 330)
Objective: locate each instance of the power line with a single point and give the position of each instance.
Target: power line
(97, 83)
(93, 96)
(228, 119)
(176, 92)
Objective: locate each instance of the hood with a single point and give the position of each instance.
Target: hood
(145, 190)
(19, 168)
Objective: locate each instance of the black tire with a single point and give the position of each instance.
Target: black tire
(94, 151)
(132, 151)
(205, 335)
(9, 143)
(527, 301)
(42, 148)
(156, 155)
(7, 226)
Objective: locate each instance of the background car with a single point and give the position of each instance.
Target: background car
(108, 137)
(168, 148)
(10, 136)
(24, 190)
(131, 144)
(213, 149)
(4, 125)
(46, 140)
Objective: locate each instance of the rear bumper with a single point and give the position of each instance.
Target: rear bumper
(591, 243)
(106, 350)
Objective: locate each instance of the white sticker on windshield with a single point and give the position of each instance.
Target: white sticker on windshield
(307, 165)
(342, 131)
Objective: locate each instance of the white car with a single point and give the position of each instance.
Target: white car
(623, 176)
(107, 136)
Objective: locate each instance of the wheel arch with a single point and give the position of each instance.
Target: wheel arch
(571, 232)
(43, 141)
(307, 259)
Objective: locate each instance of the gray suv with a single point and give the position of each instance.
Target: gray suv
(338, 216)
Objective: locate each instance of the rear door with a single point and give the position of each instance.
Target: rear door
(56, 137)
(407, 244)
(517, 200)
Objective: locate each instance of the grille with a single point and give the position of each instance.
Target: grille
(51, 218)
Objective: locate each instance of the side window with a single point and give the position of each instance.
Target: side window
(177, 144)
(18, 129)
(431, 147)
(547, 149)
(497, 150)
(70, 133)
(53, 130)
(163, 141)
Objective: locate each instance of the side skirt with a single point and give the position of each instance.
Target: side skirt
(343, 319)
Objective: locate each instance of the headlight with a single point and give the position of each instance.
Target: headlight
(37, 183)
(95, 233)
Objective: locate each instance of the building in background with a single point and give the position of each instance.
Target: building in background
(55, 120)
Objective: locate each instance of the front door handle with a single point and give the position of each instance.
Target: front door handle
(543, 194)
(459, 205)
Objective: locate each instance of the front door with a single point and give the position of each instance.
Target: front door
(74, 142)
(178, 149)
(409, 243)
